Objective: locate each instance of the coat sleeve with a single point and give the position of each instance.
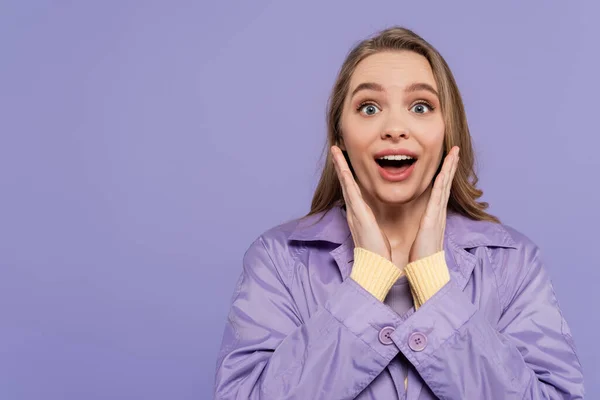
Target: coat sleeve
(269, 352)
(529, 354)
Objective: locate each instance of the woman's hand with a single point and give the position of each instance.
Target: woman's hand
(364, 227)
(430, 237)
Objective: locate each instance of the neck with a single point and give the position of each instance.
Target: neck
(400, 223)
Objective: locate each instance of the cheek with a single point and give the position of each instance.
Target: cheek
(358, 134)
(435, 137)
(433, 144)
(436, 132)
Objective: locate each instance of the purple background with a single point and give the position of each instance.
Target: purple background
(144, 145)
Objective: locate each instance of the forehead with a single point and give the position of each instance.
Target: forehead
(393, 69)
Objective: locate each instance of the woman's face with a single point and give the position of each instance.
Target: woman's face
(392, 126)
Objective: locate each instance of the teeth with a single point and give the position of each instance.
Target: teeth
(396, 157)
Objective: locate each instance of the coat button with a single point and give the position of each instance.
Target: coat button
(417, 341)
(385, 335)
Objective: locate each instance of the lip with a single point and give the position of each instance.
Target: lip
(396, 177)
(396, 152)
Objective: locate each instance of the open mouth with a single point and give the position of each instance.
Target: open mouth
(395, 164)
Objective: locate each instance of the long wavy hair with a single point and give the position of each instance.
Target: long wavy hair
(464, 193)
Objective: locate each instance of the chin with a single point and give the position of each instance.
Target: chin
(392, 198)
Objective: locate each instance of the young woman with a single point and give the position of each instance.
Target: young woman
(398, 284)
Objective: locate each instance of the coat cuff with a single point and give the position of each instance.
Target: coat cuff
(427, 276)
(374, 273)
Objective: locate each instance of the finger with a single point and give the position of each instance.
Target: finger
(340, 159)
(448, 161)
(335, 156)
(439, 191)
(435, 199)
(335, 153)
(448, 187)
(353, 194)
(451, 174)
(347, 185)
(447, 166)
(357, 188)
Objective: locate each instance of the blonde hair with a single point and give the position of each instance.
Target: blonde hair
(464, 193)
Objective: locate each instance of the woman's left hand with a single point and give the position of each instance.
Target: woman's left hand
(430, 237)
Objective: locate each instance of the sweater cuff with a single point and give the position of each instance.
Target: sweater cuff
(426, 276)
(374, 273)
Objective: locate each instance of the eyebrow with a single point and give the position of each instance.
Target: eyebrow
(415, 87)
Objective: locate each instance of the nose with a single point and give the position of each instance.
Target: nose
(395, 129)
(395, 134)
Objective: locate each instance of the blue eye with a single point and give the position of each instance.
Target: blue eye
(422, 108)
(368, 109)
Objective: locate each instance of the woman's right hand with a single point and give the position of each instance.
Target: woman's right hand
(364, 227)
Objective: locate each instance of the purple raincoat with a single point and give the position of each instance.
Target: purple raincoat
(299, 328)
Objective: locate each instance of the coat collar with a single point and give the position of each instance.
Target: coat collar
(461, 235)
(331, 226)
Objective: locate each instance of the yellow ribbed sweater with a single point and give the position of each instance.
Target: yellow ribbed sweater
(377, 275)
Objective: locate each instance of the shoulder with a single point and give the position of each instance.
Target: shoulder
(280, 244)
(468, 234)
(280, 234)
(515, 264)
(296, 230)
(327, 226)
(522, 242)
(285, 242)
(510, 253)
